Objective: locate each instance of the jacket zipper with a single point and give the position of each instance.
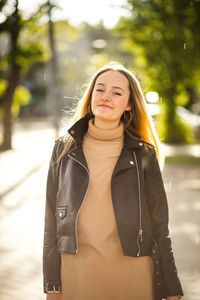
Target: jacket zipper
(76, 234)
(140, 231)
(140, 206)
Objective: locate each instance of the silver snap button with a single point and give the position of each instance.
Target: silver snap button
(60, 214)
(140, 144)
(131, 162)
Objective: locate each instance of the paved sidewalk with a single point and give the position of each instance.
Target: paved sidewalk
(23, 181)
(171, 150)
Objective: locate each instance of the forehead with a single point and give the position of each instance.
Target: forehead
(113, 78)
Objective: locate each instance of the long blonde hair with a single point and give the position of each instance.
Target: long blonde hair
(138, 121)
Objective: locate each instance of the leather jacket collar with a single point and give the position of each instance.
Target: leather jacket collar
(78, 130)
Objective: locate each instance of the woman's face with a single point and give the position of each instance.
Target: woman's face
(110, 99)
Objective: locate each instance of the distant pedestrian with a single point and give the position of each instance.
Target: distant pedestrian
(106, 224)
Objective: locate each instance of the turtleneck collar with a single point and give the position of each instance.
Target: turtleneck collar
(105, 134)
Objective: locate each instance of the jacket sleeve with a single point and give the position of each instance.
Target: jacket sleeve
(51, 257)
(157, 202)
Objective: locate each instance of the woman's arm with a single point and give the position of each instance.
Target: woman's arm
(158, 206)
(51, 257)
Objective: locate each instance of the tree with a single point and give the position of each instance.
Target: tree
(13, 26)
(166, 34)
(20, 55)
(21, 97)
(53, 86)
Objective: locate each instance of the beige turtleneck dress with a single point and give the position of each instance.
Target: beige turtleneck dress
(99, 270)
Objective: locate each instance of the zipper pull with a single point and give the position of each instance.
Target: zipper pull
(138, 253)
(140, 234)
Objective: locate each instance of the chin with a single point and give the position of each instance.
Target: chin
(104, 117)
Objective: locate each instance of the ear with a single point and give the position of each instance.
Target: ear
(128, 108)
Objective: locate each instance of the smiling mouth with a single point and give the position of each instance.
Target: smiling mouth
(104, 105)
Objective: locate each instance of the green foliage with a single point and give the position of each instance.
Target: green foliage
(21, 97)
(179, 133)
(182, 97)
(66, 33)
(33, 44)
(186, 160)
(167, 34)
(2, 3)
(3, 85)
(28, 40)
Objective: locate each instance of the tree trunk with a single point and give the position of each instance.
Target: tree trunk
(7, 105)
(193, 96)
(14, 28)
(54, 88)
(170, 117)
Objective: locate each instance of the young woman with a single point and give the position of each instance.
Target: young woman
(106, 223)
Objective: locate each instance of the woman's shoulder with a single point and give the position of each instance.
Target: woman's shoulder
(149, 152)
(149, 145)
(59, 143)
(148, 148)
(62, 139)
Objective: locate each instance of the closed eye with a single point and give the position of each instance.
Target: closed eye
(116, 93)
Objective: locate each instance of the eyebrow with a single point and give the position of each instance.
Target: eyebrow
(116, 87)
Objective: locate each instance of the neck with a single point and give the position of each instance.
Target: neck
(106, 124)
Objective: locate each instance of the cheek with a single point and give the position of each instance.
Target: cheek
(122, 104)
(94, 100)
(126, 102)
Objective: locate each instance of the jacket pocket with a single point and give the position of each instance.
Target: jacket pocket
(61, 212)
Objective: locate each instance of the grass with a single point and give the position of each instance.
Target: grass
(183, 160)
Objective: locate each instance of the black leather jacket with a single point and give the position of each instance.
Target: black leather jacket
(139, 203)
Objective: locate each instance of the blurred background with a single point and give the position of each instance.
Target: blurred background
(48, 51)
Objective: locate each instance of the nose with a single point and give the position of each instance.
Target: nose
(106, 96)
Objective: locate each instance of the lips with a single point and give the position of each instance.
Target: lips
(104, 105)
